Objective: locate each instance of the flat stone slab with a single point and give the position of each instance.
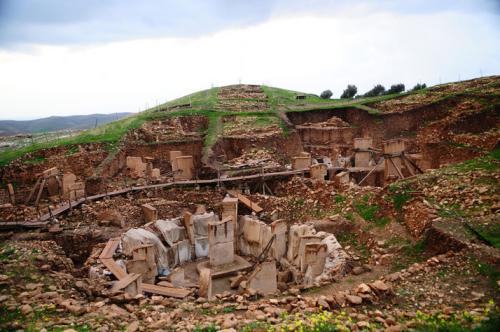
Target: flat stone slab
(238, 264)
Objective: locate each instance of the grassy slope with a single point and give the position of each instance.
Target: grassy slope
(484, 170)
(203, 103)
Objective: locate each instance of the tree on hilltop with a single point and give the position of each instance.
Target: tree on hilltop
(349, 92)
(377, 90)
(327, 94)
(396, 88)
(419, 86)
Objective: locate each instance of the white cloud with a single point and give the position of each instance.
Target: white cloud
(303, 53)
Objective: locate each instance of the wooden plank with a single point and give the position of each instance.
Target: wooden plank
(370, 172)
(409, 167)
(243, 199)
(166, 291)
(397, 168)
(12, 194)
(40, 192)
(33, 190)
(110, 248)
(127, 280)
(118, 272)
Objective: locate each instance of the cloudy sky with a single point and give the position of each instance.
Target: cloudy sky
(60, 57)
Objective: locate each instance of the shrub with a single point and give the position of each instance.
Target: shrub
(377, 90)
(327, 94)
(419, 86)
(396, 88)
(349, 92)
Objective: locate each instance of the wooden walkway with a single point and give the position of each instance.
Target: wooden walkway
(45, 219)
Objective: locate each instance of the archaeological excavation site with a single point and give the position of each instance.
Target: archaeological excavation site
(253, 208)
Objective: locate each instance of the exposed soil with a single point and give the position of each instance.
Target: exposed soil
(238, 98)
(427, 243)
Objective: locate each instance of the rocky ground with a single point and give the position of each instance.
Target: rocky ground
(41, 290)
(424, 256)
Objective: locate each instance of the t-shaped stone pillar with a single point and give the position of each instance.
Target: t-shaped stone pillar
(220, 239)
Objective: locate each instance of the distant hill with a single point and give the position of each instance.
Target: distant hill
(54, 123)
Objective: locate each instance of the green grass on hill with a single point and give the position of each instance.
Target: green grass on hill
(205, 99)
(283, 96)
(204, 103)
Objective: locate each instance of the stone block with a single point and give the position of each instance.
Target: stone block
(318, 172)
(171, 231)
(304, 240)
(394, 146)
(296, 231)
(362, 158)
(264, 278)
(342, 178)
(251, 230)
(67, 180)
(299, 163)
(177, 277)
(136, 166)
(155, 174)
(77, 190)
(200, 223)
(315, 257)
(150, 213)
(184, 251)
(52, 186)
(172, 256)
(185, 167)
(201, 247)
(363, 143)
(205, 282)
(221, 253)
(230, 209)
(279, 228)
(172, 156)
(251, 236)
(221, 231)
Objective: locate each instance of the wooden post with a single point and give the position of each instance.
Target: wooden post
(32, 192)
(218, 176)
(396, 167)
(12, 195)
(60, 187)
(42, 185)
(50, 213)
